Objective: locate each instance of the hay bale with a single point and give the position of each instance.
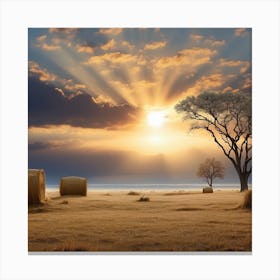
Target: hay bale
(36, 186)
(247, 200)
(207, 190)
(73, 186)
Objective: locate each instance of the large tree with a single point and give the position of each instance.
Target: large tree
(228, 119)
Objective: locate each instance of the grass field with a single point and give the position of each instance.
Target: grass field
(119, 221)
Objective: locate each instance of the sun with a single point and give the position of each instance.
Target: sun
(156, 118)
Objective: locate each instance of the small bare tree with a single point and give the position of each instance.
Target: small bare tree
(211, 169)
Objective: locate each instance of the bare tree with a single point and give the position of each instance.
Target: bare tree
(228, 119)
(210, 169)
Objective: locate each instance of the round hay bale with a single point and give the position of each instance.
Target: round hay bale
(207, 190)
(73, 186)
(36, 186)
(247, 200)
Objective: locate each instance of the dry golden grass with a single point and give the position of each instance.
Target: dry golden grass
(180, 192)
(193, 222)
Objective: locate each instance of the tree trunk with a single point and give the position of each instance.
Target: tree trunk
(243, 177)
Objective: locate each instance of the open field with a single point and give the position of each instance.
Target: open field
(115, 221)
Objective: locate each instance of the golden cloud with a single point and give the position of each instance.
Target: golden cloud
(72, 86)
(109, 45)
(247, 85)
(244, 65)
(43, 74)
(155, 45)
(210, 82)
(85, 49)
(46, 76)
(210, 41)
(63, 30)
(230, 89)
(196, 37)
(41, 38)
(110, 31)
(240, 32)
(127, 44)
(192, 57)
(48, 47)
(62, 36)
(41, 43)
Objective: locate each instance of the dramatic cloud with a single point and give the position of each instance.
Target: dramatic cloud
(155, 45)
(73, 87)
(49, 106)
(42, 74)
(68, 85)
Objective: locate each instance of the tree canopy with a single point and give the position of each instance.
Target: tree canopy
(211, 169)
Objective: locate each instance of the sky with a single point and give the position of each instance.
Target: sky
(101, 100)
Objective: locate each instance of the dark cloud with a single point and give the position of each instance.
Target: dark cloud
(47, 106)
